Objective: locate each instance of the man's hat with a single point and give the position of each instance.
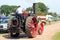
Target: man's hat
(19, 6)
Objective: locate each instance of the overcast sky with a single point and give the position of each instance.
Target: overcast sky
(54, 5)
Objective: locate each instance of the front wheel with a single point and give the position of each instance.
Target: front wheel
(41, 29)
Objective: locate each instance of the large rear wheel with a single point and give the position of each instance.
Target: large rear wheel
(31, 26)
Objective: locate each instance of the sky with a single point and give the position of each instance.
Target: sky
(53, 5)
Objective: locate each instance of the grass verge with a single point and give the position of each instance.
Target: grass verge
(56, 36)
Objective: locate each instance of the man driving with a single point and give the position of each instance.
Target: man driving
(19, 12)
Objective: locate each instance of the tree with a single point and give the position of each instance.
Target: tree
(29, 9)
(13, 8)
(6, 9)
(0, 10)
(53, 14)
(41, 8)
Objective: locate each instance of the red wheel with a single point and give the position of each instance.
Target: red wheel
(41, 29)
(32, 26)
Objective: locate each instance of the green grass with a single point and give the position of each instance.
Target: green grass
(56, 36)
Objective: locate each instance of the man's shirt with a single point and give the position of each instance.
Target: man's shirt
(19, 10)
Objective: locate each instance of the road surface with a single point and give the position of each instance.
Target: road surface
(49, 31)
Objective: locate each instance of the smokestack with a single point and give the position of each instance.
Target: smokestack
(34, 8)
